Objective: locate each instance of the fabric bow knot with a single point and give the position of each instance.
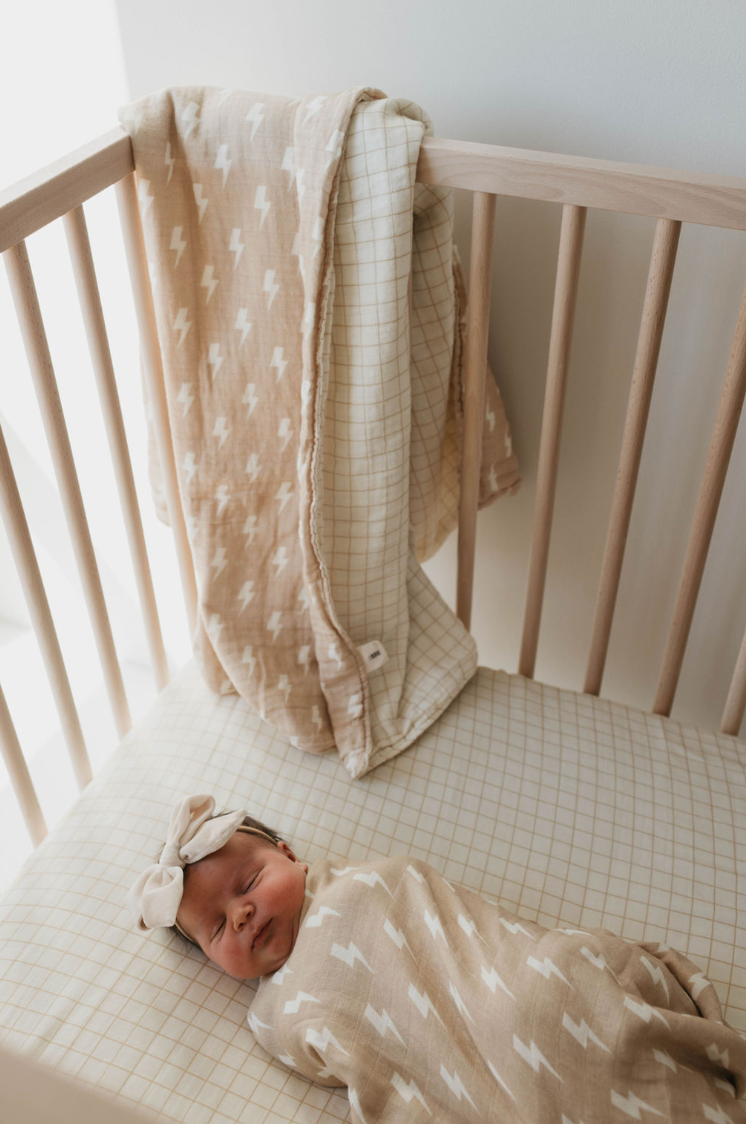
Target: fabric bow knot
(155, 897)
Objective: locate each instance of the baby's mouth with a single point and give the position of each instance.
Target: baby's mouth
(259, 938)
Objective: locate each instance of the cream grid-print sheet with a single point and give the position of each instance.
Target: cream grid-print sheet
(568, 809)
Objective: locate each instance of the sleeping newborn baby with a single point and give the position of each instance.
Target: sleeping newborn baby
(430, 1002)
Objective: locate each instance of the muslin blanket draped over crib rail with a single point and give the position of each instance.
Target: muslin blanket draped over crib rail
(311, 316)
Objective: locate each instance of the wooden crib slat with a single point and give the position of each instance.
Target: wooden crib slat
(98, 343)
(563, 315)
(40, 363)
(718, 457)
(137, 261)
(20, 778)
(735, 704)
(477, 332)
(14, 519)
(660, 275)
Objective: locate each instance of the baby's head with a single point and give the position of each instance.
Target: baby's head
(228, 884)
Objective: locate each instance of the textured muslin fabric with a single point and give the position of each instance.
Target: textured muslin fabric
(430, 1002)
(310, 311)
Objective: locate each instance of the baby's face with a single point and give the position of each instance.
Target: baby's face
(242, 905)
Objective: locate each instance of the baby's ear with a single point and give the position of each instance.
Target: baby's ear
(283, 847)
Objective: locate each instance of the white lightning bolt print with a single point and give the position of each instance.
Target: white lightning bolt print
(304, 657)
(220, 561)
(456, 1085)
(492, 979)
(214, 627)
(261, 203)
(718, 1116)
(200, 201)
(292, 1006)
(242, 325)
(222, 496)
(317, 235)
(283, 685)
(700, 982)
(407, 1090)
(253, 467)
(422, 1002)
(355, 706)
(631, 1105)
(269, 286)
(316, 718)
(185, 397)
(208, 281)
(313, 107)
(322, 1041)
(223, 161)
(255, 116)
(144, 197)
(334, 146)
(582, 1033)
(177, 243)
(190, 116)
(373, 878)
(459, 1002)
(277, 360)
(333, 654)
(533, 1055)
(288, 165)
(469, 927)
(280, 559)
(643, 1010)
(345, 870)
(250, 528)
(287, 1059)
(274, 626)
(665, 1059)
(250, 659)
(494, 483)
(284, 431)
(355, 1102)
(245, 595)
(598, 961)
(255, 1022)
(316, 919)
(716, 1056)
(236, 247)
(189, 466)
(214, 359)
(303, 598)
(500, 1081)
(656, 973)
(349, 955)
(515, 927)
(547, 968)
(435, 927)
(283, 493)
(416, 875)
(182, 324)
(250, 398)
(220, 431)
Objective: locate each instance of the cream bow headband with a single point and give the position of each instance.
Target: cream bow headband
(155, 898)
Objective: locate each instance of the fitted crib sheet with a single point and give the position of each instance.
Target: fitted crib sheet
(569, 809)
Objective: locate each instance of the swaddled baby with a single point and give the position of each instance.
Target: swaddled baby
(431, 1003)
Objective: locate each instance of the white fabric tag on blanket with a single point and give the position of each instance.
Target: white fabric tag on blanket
(374, 654)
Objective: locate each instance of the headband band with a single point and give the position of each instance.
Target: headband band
(156, 895)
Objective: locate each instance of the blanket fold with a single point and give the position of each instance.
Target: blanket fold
(311, 314)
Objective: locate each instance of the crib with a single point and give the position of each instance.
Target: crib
(571, 808)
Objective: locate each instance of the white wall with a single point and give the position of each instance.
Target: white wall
(647, 81)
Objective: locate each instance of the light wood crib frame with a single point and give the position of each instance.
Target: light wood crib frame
(671, 197)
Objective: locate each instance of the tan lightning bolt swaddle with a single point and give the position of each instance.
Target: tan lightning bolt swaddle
(431, 1004)
(315, 423)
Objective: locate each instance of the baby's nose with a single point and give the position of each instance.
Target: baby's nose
(242, 911)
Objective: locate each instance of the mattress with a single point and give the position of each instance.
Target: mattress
(569, 809)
